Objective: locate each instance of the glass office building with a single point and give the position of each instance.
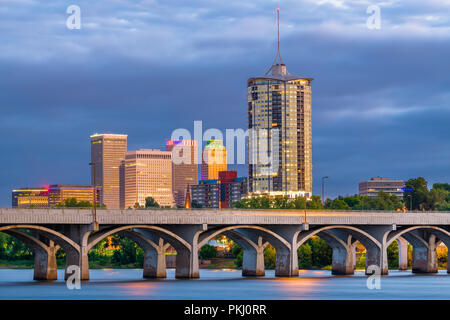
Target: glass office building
(279, 119)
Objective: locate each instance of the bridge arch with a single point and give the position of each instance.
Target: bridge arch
(362, 236)
(391, 237)
(62, 240)
(266, 234)
(168, 235)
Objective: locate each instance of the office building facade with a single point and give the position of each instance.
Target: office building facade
(214, 160)
(184, 167)
(30, 198)
(146, 173)
(59, 193)
(371, 187)
(107, 153)
(220, 193)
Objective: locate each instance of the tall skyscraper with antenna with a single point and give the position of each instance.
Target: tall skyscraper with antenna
(280, 103)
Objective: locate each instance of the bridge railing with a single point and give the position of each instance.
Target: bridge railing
(88, 211)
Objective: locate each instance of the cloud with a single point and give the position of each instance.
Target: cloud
(145, 68)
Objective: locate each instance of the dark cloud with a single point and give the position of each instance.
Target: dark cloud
(145, 68)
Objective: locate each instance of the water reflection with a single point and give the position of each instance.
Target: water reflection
(225, 284)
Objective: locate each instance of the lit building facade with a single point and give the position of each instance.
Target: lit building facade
(214, 160)
(146, 173)
(224, 191)
(107, 153)
(279, 115)
(184, 167)
(30, 198)
(59, 193)
(371, 187)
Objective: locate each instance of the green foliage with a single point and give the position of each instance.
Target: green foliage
(269, 257)
(392, 255)
(129, 254)
(150, 202)
(304, 253)
(73, 203)
(207, 252)
(265, 202)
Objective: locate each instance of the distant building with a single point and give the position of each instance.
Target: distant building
(30, 198)
(231, 188)
(107, 153)
(146, 173)
(184, 167)
(59, 193)
(214, 159)
(374, 185)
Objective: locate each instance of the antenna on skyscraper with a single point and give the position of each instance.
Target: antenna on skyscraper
(278, 60)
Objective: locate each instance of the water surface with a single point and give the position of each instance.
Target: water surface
(225, 284)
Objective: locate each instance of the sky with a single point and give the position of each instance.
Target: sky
(380, 97)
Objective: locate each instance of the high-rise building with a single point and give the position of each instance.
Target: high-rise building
(146, 173)
(30, 198)
(371, 187)
(214, 159)
(279, 114)
(184, 167)
(219, 193)
(59, 193)
(107, 153)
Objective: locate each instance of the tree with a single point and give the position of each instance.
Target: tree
(207, 252)
(418, 193)
(151, 203)
(73, 203)
(304, 254)
(269, 257)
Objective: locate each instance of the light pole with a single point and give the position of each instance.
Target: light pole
(306, 199)
(410, 202)
(94, 203)
(323, 189)
(137, 189)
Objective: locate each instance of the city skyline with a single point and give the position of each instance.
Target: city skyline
(382, 84)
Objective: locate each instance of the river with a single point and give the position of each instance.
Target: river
(225, 284)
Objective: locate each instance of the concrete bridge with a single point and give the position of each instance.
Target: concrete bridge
(73, 230)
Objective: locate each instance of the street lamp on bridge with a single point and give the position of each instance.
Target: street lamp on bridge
(323, 189)
(94, 202)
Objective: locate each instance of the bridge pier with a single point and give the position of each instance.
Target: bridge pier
(402, 254)
(45, 267)
(342, 263)
(252, 246)
(424, 257)
(186, 245)
(154, 252)
(376, 248)
(253, 260)
(78, 257)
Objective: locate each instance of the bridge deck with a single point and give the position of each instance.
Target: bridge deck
(220, 217)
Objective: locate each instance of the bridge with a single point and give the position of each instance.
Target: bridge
(45, 231)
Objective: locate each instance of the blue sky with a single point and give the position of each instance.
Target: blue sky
(381, 98)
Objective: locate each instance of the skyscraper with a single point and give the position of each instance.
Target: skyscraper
(184, 167)
(214, 159)
(279, 104)
(107, 153)
(146, 173)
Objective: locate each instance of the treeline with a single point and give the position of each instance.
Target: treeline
(418, 197)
